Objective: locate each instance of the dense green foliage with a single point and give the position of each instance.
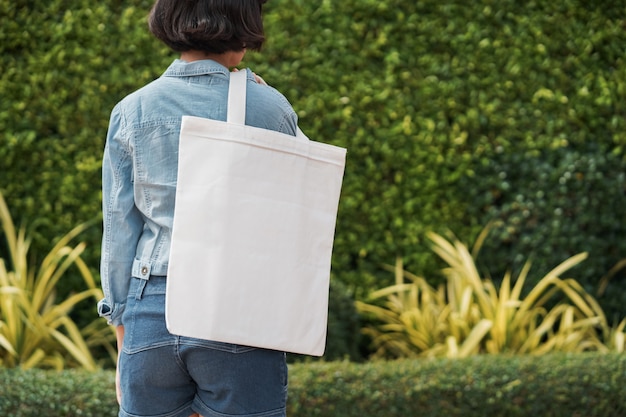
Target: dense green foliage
(587, 385)
(57, 393)
(63, 67)
(454, 114)
(458, 113)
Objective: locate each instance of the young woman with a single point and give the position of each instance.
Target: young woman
(160, 374)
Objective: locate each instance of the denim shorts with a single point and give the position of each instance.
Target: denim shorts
(163, 375)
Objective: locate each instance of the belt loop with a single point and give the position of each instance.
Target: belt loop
(141, 288)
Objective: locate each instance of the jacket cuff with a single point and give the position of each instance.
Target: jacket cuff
(113, 314)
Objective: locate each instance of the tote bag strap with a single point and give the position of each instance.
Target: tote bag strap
(237, 97)
(236, 112)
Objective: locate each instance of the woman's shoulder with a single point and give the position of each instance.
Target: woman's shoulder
(154, 100)
(268, 108)
(141, 93)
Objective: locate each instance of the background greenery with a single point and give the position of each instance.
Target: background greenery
(458, 113)
(589, 385)
(454, 114)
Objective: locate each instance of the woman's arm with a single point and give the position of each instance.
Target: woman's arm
(119, 334)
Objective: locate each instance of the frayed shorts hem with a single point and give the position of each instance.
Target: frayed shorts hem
(205, 411)
(184, 411)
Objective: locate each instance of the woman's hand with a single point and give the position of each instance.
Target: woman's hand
(119, 334)
(257, 78)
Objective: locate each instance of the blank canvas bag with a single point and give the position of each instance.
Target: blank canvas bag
(253, 232)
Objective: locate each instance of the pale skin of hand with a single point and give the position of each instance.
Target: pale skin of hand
(229, 60)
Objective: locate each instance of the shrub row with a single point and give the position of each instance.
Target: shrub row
(589, 385)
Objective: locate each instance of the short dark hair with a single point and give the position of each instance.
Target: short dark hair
(212, 26)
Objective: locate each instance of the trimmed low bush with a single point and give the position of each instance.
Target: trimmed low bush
(495, 386)
(585, 385)
(69, 393)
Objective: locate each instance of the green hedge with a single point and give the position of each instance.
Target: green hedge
(589, 385)
(57, 394)
(454, 114)
(64, 65)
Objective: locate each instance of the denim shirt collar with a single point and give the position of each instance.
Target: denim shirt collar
(180, 68)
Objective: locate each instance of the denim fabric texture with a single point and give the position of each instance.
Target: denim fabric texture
(157, 367)
(140, 165)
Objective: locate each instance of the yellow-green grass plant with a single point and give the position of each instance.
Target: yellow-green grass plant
(614, 336)
(35, 329)
(469, 315)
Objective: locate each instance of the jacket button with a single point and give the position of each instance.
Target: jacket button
(144, 270)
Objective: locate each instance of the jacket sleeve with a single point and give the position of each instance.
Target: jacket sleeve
(122, 222)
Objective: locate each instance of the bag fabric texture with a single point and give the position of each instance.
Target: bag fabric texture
(253, 231)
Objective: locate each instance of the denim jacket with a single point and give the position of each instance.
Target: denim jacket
(140, 164)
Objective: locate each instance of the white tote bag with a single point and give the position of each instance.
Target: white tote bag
(253, 232)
